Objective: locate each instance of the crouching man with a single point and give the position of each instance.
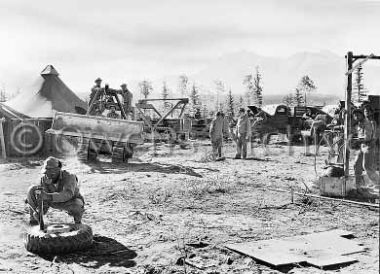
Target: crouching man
(59, 190)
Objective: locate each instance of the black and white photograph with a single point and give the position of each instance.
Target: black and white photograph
(189, 136)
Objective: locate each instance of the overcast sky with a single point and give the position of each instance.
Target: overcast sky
(122, 40)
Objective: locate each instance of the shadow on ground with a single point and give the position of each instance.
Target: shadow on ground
(104, 167)
(104, 251)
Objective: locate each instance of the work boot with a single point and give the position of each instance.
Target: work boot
(237, 157)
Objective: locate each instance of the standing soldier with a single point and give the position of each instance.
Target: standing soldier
(127, 99)
(216, 135)
(243, 133)
(365, 154)
(97, 89)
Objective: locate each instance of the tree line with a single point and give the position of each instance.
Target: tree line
(200, 105)
(228, 102)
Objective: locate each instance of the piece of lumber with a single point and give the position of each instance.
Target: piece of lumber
(349, 202)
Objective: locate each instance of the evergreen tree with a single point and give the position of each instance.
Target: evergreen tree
(240, 104)
(194, 103)
(230, 104)
(360, 92)
(298, 98)
(306, 84)
(288, 100)
(257, 89)
(146, 88)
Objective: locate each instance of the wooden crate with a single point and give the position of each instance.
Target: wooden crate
(336, 186)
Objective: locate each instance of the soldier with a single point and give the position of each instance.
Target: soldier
(243, 133)
(216, 135)
(59, 190)
(365, 150)
(112, 113)
(96, 89)
(127, 99)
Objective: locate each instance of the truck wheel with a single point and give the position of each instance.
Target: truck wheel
(78, 238)
(117, 154)
(128, 152)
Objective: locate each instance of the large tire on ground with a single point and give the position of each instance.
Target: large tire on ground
(80, 237)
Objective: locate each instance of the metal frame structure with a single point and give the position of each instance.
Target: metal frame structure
(351, 66)
(143, 105)
(108, 96)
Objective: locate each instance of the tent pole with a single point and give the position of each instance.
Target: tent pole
(2, 139)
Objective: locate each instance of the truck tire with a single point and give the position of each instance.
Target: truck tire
(118, 154)
(80, 237)
(128, 151)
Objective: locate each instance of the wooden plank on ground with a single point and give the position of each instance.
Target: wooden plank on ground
(330, 262)
(320, 249)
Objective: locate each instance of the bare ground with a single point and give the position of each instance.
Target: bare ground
(175, 212)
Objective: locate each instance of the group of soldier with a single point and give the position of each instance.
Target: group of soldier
(98, 100)
(365, 134)
(241, 134)
(365, 138)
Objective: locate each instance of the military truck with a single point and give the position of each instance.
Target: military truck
(280, 119)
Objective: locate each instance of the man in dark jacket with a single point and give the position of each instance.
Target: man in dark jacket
(217, 130)
(59, 190)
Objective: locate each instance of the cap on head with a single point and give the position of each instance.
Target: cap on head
(97, 80)
(357, 111)
(368, 108)
(51, 162)
(123, 85)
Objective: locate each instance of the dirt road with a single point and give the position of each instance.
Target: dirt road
(151, 213)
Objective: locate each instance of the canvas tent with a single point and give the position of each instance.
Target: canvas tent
(47, 95)
(7, 112)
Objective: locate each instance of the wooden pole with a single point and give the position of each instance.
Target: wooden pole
(347, 120)
(348, 202)
(2, 139)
